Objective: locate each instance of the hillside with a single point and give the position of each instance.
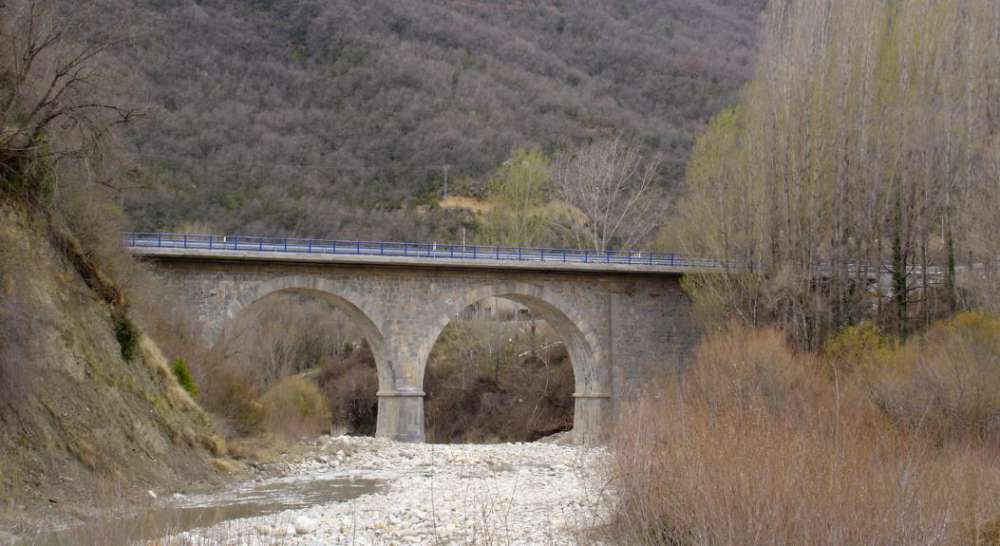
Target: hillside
(82, 425)
(329, 117)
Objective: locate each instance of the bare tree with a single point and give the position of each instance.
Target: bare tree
(859, 150)
(48, 83)
(609, 184)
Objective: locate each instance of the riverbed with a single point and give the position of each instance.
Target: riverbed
(431, 494)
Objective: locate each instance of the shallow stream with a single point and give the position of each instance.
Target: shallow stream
(183, 513)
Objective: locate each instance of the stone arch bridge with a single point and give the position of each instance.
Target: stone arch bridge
(623, 321)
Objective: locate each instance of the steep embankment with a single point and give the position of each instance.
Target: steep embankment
(78, 417)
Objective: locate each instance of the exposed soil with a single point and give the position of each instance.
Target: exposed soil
(85, 426)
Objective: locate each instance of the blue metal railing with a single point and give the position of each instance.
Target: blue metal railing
(234, 243)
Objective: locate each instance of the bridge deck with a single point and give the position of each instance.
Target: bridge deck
(288, 250)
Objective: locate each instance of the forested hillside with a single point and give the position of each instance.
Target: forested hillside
(333, 118)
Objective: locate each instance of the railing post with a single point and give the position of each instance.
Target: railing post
(333, 247)
(607, 257)
(286, 244)
(358, 243)
(451, 248)
(185, 240)
(406, 249)
(519, 257)
(310, 243)
(498, 252)
(211, 242)
(475, 250)
(159, 239)
(564, 255)
(586, 256)
(236, 242)
(630, 257)
(381, 248)
(543, 254)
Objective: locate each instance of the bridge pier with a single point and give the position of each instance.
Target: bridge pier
(401, 416)
(592, 414)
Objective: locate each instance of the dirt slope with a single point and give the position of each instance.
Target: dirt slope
(78, 421)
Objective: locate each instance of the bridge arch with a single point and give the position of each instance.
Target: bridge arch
(583, 343)
(335, 294)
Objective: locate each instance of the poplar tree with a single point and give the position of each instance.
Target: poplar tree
(857, 177)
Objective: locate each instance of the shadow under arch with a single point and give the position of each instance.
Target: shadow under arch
(342, 302)
(590, 379)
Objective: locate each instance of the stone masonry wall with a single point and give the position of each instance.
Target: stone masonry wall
(622, 330)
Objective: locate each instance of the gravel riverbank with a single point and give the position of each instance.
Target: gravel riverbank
(434, 494)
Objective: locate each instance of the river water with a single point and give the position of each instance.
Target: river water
(184, 513)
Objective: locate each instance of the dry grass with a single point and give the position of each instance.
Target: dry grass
(97, 223)
(759, 445)
(471, 204)
(17, 345)
(19, 319)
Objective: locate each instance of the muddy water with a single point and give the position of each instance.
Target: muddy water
(178, 515)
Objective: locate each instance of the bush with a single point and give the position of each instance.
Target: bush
(756, 444)
(945, 381)
(351, 385)
(754, 371)
(127, 335)
(294, 407)
(230, 395)
(857, 349)
(183, 375)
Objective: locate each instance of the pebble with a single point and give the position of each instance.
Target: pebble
(304, 525)
(517, 494)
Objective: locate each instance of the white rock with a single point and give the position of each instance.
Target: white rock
(521, 494)
(304, 525)
(151, 494)
(280, 531)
